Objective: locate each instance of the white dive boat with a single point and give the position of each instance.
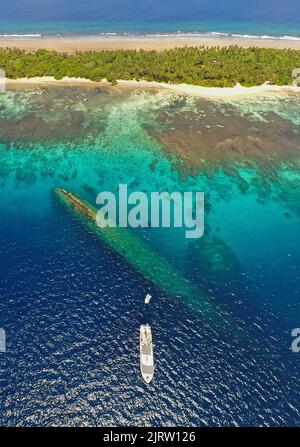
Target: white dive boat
(148, 298)
(146, 353)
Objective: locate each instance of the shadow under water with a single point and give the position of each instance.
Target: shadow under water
(139, 255)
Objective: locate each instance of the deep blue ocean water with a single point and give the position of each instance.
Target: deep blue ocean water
(266, 17)
(71, 308)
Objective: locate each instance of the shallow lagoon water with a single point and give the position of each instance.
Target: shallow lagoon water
(71, 308)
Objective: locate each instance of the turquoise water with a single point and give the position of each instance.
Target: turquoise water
(71, 307)
(141, 27)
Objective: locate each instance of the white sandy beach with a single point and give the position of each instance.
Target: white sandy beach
(71, 44)
(194, 90)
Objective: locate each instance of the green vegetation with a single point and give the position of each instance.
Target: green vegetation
(215, 67)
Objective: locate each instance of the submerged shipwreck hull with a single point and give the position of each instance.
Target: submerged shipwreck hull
(138, 254)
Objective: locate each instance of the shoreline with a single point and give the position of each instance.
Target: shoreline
(237, 91)
(72, 44)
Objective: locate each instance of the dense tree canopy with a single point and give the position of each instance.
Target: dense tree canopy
(222, 67)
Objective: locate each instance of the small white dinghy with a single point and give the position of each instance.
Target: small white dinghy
(148, 298)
